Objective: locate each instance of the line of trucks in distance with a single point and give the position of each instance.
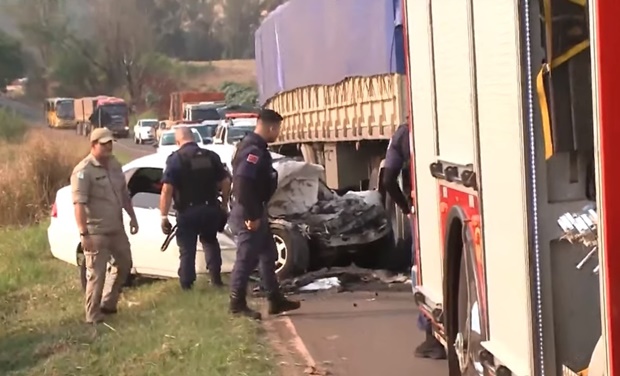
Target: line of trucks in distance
(499, 101)
(186, 107)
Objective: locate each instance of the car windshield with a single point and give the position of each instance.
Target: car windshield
(202, 114)
(205, 130)
(116, 109)
(238, 132)
(64, 109)
(167, 139)
(149, 123)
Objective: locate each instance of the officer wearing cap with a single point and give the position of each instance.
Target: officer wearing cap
(193, 178)
(397, 156)
(254, 182)
(100, 194)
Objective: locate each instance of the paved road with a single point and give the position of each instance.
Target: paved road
(364, 334)
(128, 146)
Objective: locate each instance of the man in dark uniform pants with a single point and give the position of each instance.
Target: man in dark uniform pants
(194, 177)
(397, 157)
(254, 182)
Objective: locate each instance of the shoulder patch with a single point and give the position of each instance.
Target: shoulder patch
(80, 175)
(252, 158)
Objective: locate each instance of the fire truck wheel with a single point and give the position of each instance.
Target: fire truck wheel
(465, 337)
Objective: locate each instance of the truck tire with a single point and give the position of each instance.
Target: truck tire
(400, 256)
(293, 251)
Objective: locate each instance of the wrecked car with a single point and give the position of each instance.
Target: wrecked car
(310, 223)
(332, 226)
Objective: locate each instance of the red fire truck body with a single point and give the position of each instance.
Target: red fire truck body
(512, 113)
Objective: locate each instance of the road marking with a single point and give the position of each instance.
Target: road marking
(296, 341)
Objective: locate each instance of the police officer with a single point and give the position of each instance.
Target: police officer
(254, 182)
(99, 195)
(397, 157)
(193, 178)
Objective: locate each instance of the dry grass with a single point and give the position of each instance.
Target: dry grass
(32, 170)
(205, 75)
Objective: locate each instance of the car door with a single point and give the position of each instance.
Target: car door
(146, 245)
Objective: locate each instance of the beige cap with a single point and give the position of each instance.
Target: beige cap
(101, 135)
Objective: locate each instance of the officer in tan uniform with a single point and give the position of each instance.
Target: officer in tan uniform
(99, 195)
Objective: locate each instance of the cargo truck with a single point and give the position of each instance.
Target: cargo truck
(191, 106)
(514, 184)
(101, 111)
(339, 85)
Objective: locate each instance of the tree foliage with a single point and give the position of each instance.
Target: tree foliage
(124, 47)
(11, 62)
(239, 94)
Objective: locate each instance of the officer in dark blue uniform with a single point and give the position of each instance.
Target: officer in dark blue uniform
(254, 182)
(397, 157)
(194, 178)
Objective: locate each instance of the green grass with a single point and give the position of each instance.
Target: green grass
(159, 330)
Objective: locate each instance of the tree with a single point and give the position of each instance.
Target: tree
(40, 22)
(11, 61)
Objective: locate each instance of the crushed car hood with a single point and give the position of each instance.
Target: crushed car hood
(302, 198)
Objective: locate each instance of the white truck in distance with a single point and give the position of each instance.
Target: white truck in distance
(503, 146)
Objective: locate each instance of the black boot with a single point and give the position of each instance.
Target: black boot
(239, 306)
(216, 280)
(278, 303)
(430, 348)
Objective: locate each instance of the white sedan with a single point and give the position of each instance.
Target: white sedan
(167, 143)
(307, 220)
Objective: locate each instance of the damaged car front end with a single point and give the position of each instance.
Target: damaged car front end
(333, 225)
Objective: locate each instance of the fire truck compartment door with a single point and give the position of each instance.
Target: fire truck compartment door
(503, 166)
(424, 141)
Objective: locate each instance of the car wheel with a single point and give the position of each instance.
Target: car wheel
(293, 251)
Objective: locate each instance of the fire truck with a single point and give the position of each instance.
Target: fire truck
(513, 111)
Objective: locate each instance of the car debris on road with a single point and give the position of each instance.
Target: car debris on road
(344, 279)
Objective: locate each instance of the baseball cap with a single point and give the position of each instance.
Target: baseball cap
(101, 135)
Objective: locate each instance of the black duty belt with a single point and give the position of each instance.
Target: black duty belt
(193, 204)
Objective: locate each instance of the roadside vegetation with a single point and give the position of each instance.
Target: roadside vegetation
(158, 330)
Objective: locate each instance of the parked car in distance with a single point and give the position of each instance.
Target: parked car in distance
(167, 143)
(144, 130)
